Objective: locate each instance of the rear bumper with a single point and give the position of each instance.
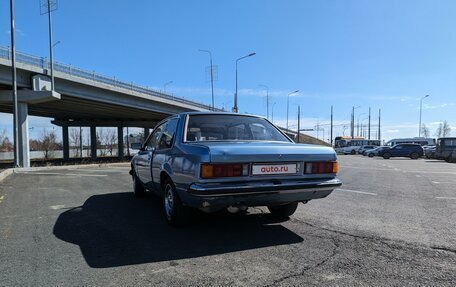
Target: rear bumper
(217, 196)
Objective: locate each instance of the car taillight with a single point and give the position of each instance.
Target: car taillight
(321, 167)
(224, 170)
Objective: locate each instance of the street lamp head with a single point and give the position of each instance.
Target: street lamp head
(294, 92)
(426, 96)
(252, 54)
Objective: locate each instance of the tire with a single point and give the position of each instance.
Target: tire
(386, 155)
(176, 214)
(138, 188)
(353, 151)
(283, 211)
(370, 155)
(414, 155)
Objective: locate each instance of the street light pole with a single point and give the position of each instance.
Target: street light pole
(421, 108)
(267, 100)
(14, 82)
(288, 104)
(235, 107)
(212, 76)
(166, 84)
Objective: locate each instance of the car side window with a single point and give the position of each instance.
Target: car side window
(154, 137)
(167, 137)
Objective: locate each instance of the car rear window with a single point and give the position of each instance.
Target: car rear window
(216, 127)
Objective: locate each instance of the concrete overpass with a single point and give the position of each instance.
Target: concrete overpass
(81, 98)
(84, 98)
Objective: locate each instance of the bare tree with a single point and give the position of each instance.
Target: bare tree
(425, 131)
(107, 140)
(89, 143)
(75, 140)
(5, 144)
(446, 129)
(47, 143)
(443, 130)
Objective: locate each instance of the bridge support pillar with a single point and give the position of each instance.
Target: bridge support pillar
(146, 134)
(93, 142)
(66, 143)
(120, 142)
(23, 133)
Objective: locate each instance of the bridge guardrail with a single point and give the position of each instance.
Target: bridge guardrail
(43, 63)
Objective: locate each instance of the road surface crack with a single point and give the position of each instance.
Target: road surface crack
(386, 241)
(308, 268)
(443, 248)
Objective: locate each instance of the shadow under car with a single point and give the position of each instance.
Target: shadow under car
(117, 230)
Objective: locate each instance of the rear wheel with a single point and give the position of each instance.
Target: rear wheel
(175, 212)
(138, 188)
(386, 155)
(282, 211)
(353, 151)
(371, 155)
(414, 155)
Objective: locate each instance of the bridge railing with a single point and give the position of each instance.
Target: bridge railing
(43, 63)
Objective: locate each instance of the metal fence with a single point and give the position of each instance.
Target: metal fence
(43, 63)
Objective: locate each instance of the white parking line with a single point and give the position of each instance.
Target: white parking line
(62, 174)
(356, 191)
(444, 197)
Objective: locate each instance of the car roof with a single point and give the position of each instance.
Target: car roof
(220, 113)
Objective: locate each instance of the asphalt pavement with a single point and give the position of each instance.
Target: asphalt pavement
(392, 223)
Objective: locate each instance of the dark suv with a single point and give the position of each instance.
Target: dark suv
(413, 151)
(445, 148)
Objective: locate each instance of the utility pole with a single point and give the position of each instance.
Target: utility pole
(352, 124)
(357, 127)
(331, 133)
(299, 120)
(369, 129)
(212, 76)
(128, 142)
(379, 133)
(272, 115)
(14, 82)
(47, 6)
(51, 52)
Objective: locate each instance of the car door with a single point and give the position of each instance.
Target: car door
(163, 151)
(401, 150)
(145, 156)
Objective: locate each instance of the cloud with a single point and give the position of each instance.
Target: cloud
(438, 106)
(391, 131)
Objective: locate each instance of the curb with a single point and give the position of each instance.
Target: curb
(7, 172)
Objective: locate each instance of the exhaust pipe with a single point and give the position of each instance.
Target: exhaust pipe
(236, 208)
